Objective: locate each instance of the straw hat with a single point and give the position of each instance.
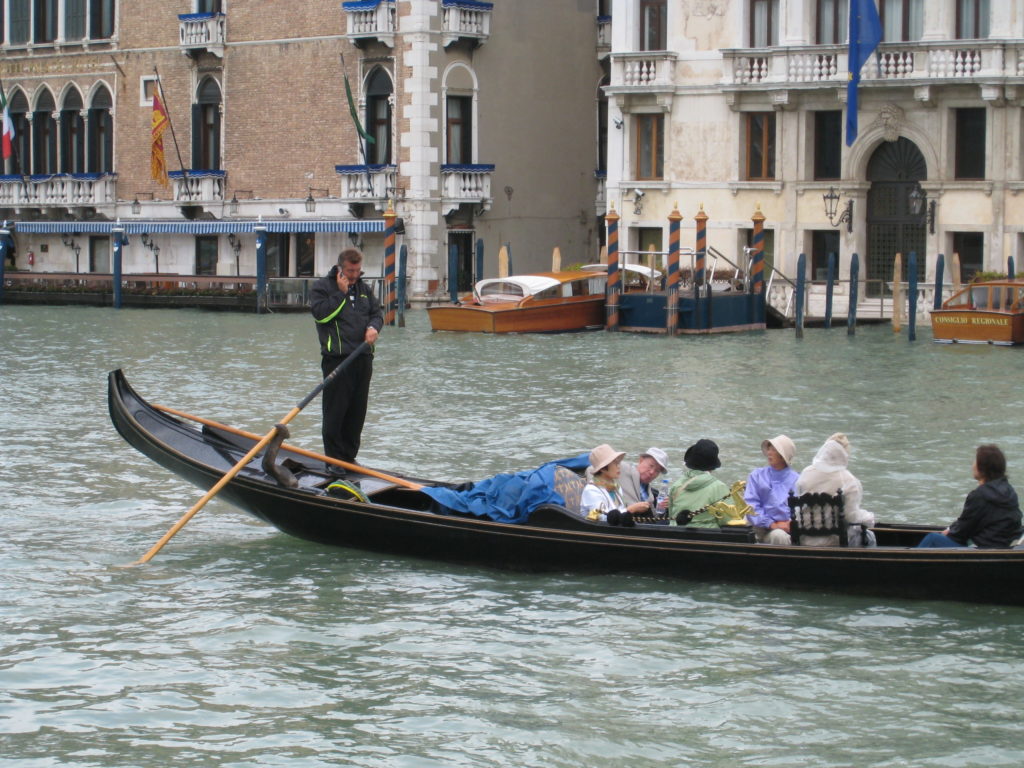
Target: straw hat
(602, 456)
(659, 456)
(783, 445)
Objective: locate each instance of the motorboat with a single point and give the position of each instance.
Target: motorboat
(984, 312)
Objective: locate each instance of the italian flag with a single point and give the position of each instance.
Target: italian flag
(8, 138)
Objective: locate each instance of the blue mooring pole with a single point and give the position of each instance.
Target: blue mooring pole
(403, 257)
(261, 268)
(851, 314)
(801, 265)
(940, 268)
(453, 273)
(1010, 273)
(5, 239)
(118, 233)
(479, 270)
(912, 298)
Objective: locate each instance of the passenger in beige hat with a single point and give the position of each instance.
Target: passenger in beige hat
(602, 498)
(768, 490)
(636, 479)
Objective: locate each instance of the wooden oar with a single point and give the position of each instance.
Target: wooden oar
(263, 442)
(293, 448)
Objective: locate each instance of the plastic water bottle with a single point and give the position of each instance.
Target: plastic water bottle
(662, 506)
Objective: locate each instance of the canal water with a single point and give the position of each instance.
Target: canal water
(239, 646)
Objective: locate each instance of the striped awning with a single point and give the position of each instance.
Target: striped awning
(469, 5)
(359, 5)
(219, 227)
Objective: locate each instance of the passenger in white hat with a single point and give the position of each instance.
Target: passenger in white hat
(636, 479)
(602, 498)
(768, 490)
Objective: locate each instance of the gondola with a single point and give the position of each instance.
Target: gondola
(394, 514)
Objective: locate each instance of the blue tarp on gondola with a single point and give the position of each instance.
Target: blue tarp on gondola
(509, 498)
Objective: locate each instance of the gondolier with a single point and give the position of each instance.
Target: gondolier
(346, 313)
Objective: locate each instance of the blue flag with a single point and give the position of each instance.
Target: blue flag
(865, 35)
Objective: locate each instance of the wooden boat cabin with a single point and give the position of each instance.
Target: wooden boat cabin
(987, 312)
(546, 302)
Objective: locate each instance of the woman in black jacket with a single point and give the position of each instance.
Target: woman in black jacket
(991, 516)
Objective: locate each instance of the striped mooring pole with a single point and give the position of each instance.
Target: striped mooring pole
(390, 302)
(672, 279)
(612, 304)
(700, 266)
(757, 253)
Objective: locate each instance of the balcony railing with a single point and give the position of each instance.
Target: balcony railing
(367, 183)
(69, 190)
(466, 184)
(466, 19)
(198, 187)
(652, 69)
(202, 31)
(922, 62)
(370, 20)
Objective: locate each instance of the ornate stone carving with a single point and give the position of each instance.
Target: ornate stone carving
(890, 119)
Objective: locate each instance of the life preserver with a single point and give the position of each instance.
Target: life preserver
(31, 259)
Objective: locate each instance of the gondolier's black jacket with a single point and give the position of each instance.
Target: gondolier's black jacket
(342, 319)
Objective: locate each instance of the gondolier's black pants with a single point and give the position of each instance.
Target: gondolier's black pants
(344, 405)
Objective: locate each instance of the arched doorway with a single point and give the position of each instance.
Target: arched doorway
(895, 169)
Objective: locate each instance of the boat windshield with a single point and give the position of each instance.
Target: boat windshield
(516, 288)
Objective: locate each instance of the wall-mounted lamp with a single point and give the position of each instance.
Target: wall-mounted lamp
(638, 201)
(233, 205)
(922, 208)
(136, 206)
(68, 241)
(236, 246)
(831, 199)
(310, 202)
(147, 242)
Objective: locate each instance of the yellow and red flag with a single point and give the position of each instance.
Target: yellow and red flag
(160, 121)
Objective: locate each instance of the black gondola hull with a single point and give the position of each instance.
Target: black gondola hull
(403, 521)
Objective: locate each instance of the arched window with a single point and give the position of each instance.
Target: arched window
(378, 117)
(44, 134)
(459, 89)
(72, 134)
(100, 139)
(206, 126)
(22, 160)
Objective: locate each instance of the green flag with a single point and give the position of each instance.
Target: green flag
(355, 115)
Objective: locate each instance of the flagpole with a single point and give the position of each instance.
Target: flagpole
(362, 135)
(14, 145)
(174, 138)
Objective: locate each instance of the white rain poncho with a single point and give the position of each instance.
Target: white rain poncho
(828, 473)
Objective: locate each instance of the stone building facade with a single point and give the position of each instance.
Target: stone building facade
(483, 117)
(740, 105)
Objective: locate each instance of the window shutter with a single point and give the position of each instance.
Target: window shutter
(21, 17)
(74, 19)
